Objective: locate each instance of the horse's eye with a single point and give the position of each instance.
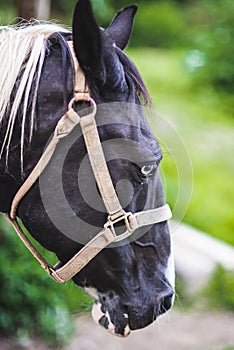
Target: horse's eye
(148, 170)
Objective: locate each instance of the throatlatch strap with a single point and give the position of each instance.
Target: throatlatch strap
(64, 127)
(28, 244)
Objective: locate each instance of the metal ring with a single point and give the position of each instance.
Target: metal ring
(90, 100)
(71, 103)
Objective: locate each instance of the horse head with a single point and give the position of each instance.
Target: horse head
(132, 280)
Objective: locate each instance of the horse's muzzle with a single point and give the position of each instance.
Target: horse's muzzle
(121, 319)
(140, 317)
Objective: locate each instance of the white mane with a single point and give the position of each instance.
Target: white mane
(21, 47)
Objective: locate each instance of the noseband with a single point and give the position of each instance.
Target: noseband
(116, 213)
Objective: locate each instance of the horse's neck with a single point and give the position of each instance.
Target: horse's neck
(8, 188)
(10, 178)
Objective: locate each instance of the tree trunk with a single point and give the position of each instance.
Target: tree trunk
(43, 9)
(28, 9)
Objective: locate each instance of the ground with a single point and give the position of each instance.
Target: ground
(176, 330)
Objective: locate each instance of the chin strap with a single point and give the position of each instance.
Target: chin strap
(116, 213)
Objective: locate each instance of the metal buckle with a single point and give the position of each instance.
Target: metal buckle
(112, 221)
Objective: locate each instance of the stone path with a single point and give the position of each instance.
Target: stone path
(174, 331)
(177, 330)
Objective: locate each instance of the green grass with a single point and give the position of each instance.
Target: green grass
(201, 119)
(219, 290)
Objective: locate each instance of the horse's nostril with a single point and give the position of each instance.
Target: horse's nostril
(166, 303)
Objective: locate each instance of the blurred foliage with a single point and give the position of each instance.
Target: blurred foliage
(211, 59)
(219, 290)
(30, 302)
(7, 12)
(200, 117)
(62, 10)
(216, 295)
(159, 24)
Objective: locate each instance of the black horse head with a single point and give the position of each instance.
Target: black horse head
(132, 282)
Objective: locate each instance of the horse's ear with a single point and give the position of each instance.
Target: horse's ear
(120, 28)
(87, 39)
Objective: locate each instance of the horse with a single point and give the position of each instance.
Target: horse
(131, 276)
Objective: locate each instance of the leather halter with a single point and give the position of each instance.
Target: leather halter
(115, 211)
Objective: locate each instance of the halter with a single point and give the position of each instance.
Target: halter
(116, 213)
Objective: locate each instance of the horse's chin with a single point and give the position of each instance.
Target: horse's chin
(102, 318)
